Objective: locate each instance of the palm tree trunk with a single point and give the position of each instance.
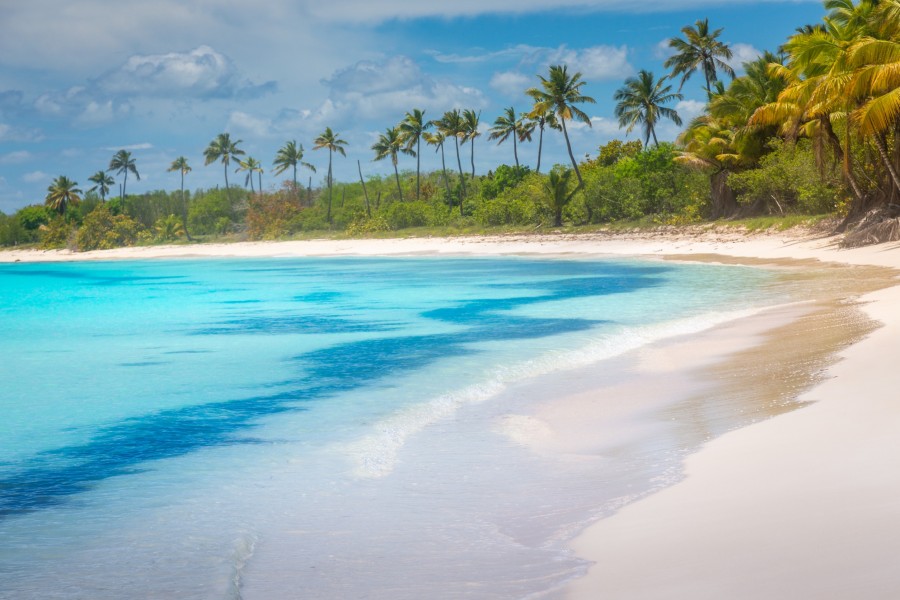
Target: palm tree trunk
(227, 190)
(418, 164)
(515, 148)
(365, 193)
(329, 186)
(540, 145)
(252, 191)
(843, 157)
(571, 156)
(655, 141)
(473, 158)
(446, 179)
(462, 178)
(296, 189)
(883, 151)
(184, 211)
(124, 182)
(397, 176)
(259, 176)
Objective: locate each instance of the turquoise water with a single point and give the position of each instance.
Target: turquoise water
(163, 421)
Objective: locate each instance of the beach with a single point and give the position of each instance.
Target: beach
(787, 484)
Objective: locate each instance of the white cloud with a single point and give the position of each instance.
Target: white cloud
(18, 156)
(662, 50)
(9, 133)
(130, 147)
(688, 109)
(35, 177)
(511, 83)
(595, 63)
(242, 122)
(742, 53)
(199, 73)
(388, 88)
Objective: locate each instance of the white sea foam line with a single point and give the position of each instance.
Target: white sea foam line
(375, 455)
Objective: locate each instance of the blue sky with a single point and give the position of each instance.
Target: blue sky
(81, 80)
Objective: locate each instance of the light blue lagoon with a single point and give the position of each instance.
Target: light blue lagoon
(304, 428)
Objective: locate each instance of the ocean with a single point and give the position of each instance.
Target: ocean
(317, 427)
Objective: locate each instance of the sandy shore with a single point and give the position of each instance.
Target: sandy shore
(803, 505)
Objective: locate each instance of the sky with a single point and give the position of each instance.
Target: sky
(80, 80)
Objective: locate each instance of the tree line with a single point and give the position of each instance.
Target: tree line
(812, 127)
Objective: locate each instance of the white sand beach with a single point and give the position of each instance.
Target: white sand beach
(805, 504)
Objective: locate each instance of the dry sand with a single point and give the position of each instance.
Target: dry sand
(802, 505)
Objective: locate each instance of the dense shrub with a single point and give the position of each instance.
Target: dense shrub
(102, 230)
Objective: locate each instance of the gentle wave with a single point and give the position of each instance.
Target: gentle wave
(375, 455)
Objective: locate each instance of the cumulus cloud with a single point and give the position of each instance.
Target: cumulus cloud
(688, 109)
(370, 89)
(35, 177)
(130, 147)
(511, 83)
(16, 157)
(10, 133)
(199, 73)
(742, 53)
(595, 63)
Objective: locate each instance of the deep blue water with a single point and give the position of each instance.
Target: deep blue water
(127, 386)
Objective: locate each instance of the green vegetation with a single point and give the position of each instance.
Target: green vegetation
(811, 130)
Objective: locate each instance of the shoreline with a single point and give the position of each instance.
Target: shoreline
(799, 505)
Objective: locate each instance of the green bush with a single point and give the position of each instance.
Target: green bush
(57, 234)
(101, 230)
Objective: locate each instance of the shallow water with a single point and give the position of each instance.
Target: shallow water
(313, 428)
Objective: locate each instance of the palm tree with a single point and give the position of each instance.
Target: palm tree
(224, 149)
(640, 102)
(122, 163)
(451, 125)
(558, 194)
(251, 166)
(291, 155)
(560, 93)
(540, 118)
(506, 126)
(412, 127)
(329, 139)
(102, 182)
(471, 120)
(699, 50)
(61, 193)
(390, 143)
(437, 140)
(181, 165)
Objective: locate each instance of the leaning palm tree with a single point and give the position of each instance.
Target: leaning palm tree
(390, 143)
(699, 50)
(291, 155)
(251, 166)
(507, 126)
(224, 149)
(101, 182)
(412, 127)
(437, 140)
(560, 94)
(62, 193)
(471, 120)
(451, 125)
(122, 163)
(181, 165)
(329, 139)
(640, 102)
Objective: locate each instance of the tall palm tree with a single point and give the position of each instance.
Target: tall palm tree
(451, 125)
(471, 120)
(412, 127)
(390, 143)
(538, 119)
(507, 126)
(291, 155)
(437, 140)
(224, 149)
(330, 140)
(181, 165)
(699, 50)
(122, 163)
(101, 182)
(640, 102)
(62, 193)
(251, 166)
(560, 94)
